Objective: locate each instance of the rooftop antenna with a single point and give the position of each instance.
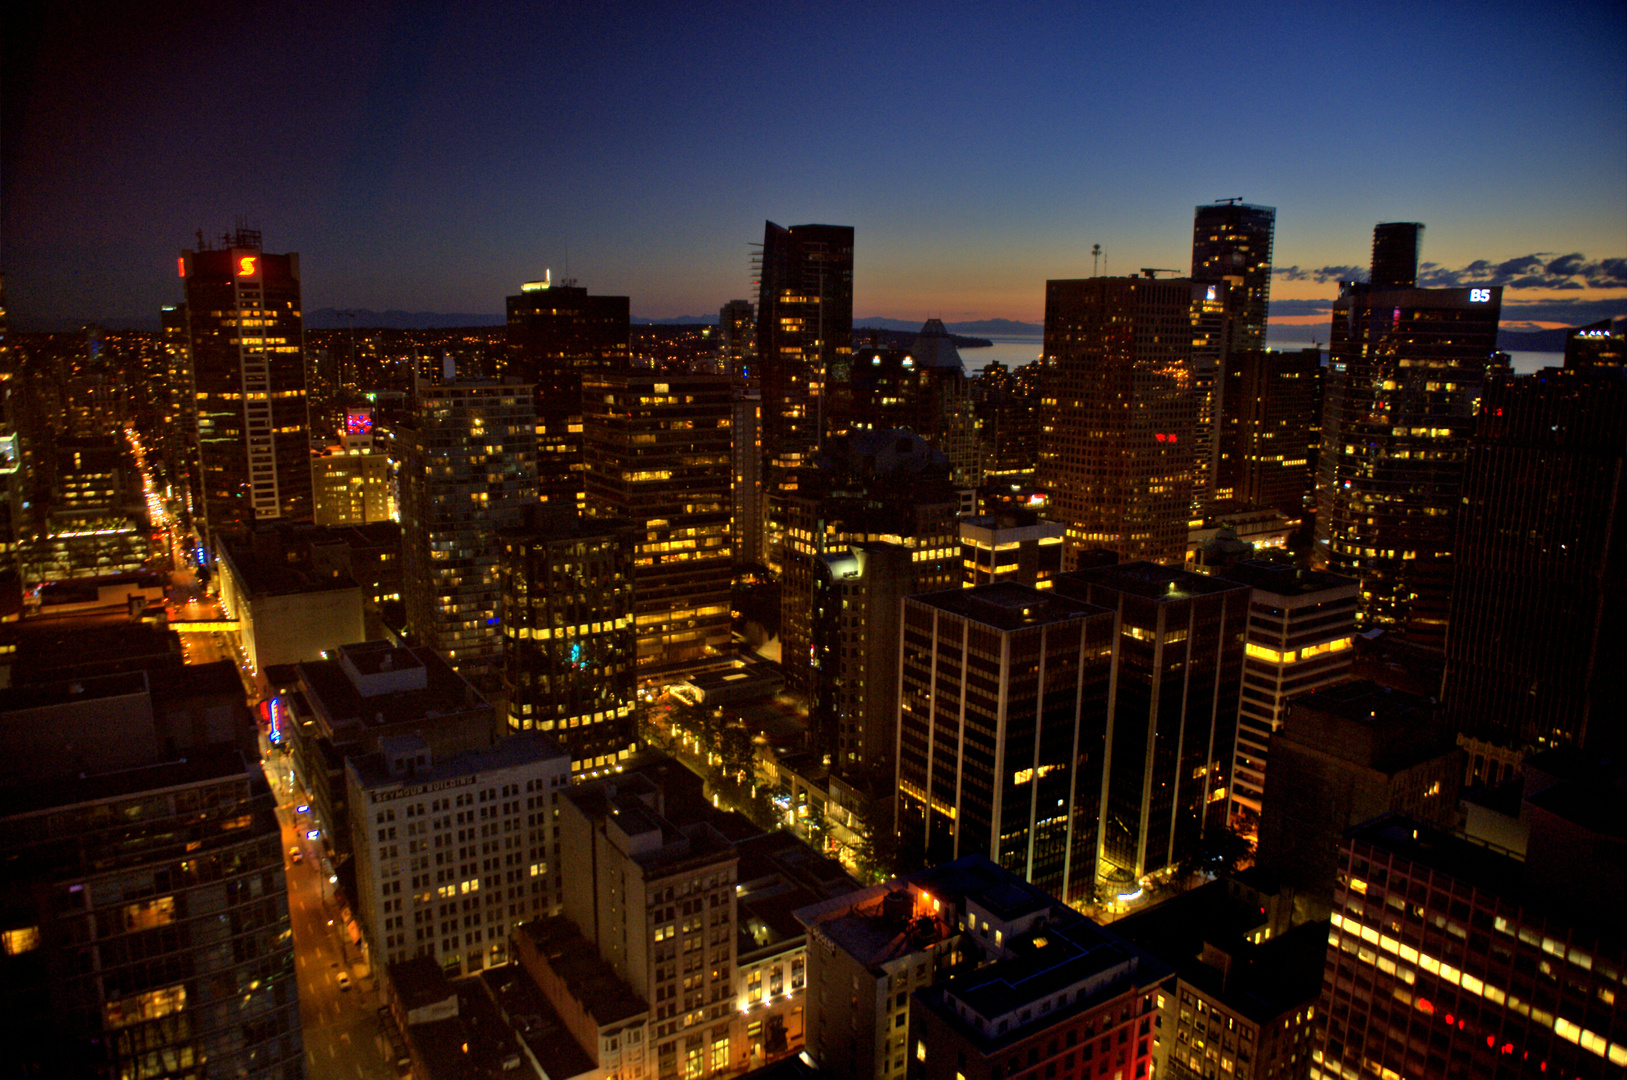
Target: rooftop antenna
(1095, 257)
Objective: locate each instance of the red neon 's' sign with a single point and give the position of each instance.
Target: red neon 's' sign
(247, 265)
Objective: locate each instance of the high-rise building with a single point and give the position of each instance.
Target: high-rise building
(1452, 959)
(1172, 717)
(568, 666)
(406, 800)
(1231, 243)
(922, 388)
(737, 337)
(1008, 413)
(747, 457)
(352, 479)
(245, 328)
(556, 333)
(1120, 412)
(1019, 547)
(1003, 712)
(1301, 637)
(1406, 366)
(804, 339)
(871, 486)
(1344, 754)
(1231, 247)
(1600, 344)
(1537, 650)
(1397, 246)
(144, 925)
(657, 449)
(1270, 430)
(468, 469)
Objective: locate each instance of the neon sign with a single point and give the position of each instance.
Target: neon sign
(248, 265)
(180, 264)
(1161, 437)
(1479, 296)
(358, 423)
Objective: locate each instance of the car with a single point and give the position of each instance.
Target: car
(296, 855)
(344, 981)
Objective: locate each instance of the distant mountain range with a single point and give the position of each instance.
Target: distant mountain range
(1281, 335)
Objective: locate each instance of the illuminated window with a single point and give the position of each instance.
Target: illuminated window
(23, 939)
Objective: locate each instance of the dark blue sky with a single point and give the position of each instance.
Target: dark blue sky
(433, 157)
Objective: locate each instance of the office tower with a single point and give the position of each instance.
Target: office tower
(1270, 430)
(804, 331)
(868, 486)
(88, 528)
(245, 329)
(857, 596)
(654, 897)
(1008, 413)
(468, 469)
(746, 455)
(737, 338)
(1120, 413)
(286, 611)
(1346, 753)
(1397, 246)
(1536, 650)
(657, 449)
(556, 334)
(144, 925)
(406, 800)
(1065, 995)
(1018, 547)
(1600, 344)
(1231, 243)
(1003, 709)
(1405, 371)
(1451, 959)
(1231, 247)
(570, 642)
(351, 479)
(1172, 719)
(1301, 633)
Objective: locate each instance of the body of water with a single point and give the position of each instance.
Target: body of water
(1015, 350)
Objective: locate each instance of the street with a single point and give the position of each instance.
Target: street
(341, 1028)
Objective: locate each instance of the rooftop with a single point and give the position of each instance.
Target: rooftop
(577, 963)
(198, 767)
(537, 1024)
(372, 771)
(1007, 605)
(335, 696)
(1285, 579)
(261, 575)
(1150, 581)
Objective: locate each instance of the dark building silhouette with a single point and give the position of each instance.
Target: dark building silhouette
(1600, 344)
(922, 388)
(737, 337)
(804, 342)
(1008, 413)
(1121, 411)
(1536, 649)
(1172, 720)
(1406, 367)
(657, 448)
(1397, 246)
(555, 334)
(1004, 707)
(246, 333)
(1270, 429)
(570, 639)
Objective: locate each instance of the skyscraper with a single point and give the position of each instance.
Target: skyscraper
(737, 337)
(1537, 648)
(468, 469)
(804, 330)
(1003, 711)
(1231, 243)
(571, 643)
(657, 450)
(1270, 429)
(245, 328)
(1396, 248)
(556, 333)
(1119, 412)
(1406, 366)
(1172, 719)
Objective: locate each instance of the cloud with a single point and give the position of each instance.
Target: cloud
(1320, 274)
(1284, 308)
(1539, 270)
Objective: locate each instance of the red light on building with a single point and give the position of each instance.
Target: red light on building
(248, 265)
(1426, 1007)
(1162, 437)
(358, 423)
(180, 264)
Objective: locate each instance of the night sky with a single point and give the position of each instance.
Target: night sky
(431, 158)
